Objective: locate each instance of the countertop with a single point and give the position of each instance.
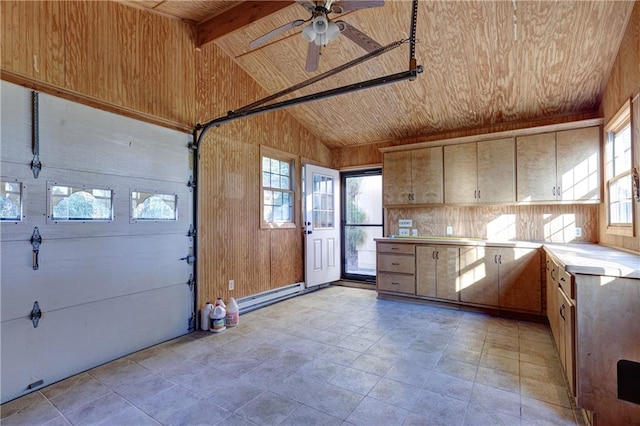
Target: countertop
(582, 258)
(459, 241)
(594, 259)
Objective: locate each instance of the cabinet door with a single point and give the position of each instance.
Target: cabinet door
(460, 173)
(396, 178)
(520, 279)
(552, 301)
(578, 173)
(536, 171)
(426, 271)
(497, 171)
(426, 175)
(567, 313)
(479, 275)
(447, 266)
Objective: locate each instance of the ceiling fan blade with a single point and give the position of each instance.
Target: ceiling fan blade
(276, 32)
(350, 5)
(358, 37)
(313, 57)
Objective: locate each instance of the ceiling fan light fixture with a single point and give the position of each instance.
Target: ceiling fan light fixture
(320, 24)
(333, 31)
(309, 33)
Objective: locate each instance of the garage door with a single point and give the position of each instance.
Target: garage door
(112, 213)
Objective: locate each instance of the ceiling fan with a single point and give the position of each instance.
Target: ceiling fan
(321, 30)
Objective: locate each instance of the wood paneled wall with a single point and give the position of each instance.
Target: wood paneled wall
(550, 223)
(125, 59)
(232, 244)
(624, 83)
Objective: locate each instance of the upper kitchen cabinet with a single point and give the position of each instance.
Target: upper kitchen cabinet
(413, 177)
(482, 172)
(559, 166)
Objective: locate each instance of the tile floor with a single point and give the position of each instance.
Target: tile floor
(337, 356)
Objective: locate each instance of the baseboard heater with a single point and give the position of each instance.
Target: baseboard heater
(250, 303)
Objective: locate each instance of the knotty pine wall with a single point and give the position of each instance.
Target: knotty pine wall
(623, 84)
(232, 245)
(104, 54)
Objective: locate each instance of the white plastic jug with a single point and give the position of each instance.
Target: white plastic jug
(204, 316)
(233, 313)
(217, 316)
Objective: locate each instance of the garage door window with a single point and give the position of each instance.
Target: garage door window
(80, 203)
(153, 206)
(11, 201)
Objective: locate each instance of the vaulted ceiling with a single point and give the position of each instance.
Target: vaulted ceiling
(485, 62)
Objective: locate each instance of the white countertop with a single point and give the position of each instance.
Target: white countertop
(585, 258)
(460, 241)
(594, 259)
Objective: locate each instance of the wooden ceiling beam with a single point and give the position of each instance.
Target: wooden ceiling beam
(237, 17)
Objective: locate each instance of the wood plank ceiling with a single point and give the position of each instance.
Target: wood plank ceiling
(486, 62)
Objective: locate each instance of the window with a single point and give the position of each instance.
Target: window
(79, 203)
(618, 172)
(10, 201)
(277, 193)
(152, 206)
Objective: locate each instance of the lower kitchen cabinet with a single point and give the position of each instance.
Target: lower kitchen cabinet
(561, 313)
(396, 266)
(437, 271)
(501, 277)
(496, 277)
(479, 275)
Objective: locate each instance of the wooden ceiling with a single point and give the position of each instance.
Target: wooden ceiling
(485, 62)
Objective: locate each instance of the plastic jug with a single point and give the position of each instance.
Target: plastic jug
(233, 313)
(204, 316)
(217, 317)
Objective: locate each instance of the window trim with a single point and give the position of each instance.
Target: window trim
(50, 206)
(152, 193)
(266, 151)
(22, 215)
(619, 121)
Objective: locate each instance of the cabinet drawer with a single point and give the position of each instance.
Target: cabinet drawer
(565, 281)
(403, 264)
(396, 283)
(396, 248)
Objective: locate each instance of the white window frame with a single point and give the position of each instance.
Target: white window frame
(292, 160)
(620, 121)
(78, 187)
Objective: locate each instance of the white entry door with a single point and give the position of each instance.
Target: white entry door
(322, 225)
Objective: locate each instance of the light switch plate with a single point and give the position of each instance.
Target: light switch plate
(405, 223)
(578, 232)
(449, 230)
(414, 232)
(404, 232)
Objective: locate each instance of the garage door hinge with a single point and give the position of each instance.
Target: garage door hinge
(189, 258)
(36, 314)
(192, 146)
(191, 322)
(192, 231)
(36, 165)
(192, 183)
(191, 282)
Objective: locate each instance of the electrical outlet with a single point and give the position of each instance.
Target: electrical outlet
(405, 223)
(578, 232)
(403, 232)
(449, 230)
(231, 284)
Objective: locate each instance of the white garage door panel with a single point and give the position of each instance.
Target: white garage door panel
(99, 140)
(94, 334)
(35, 205)
(84, 270)
(15, 132)
(105, 289)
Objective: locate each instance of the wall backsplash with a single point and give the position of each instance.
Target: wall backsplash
(550, 223)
